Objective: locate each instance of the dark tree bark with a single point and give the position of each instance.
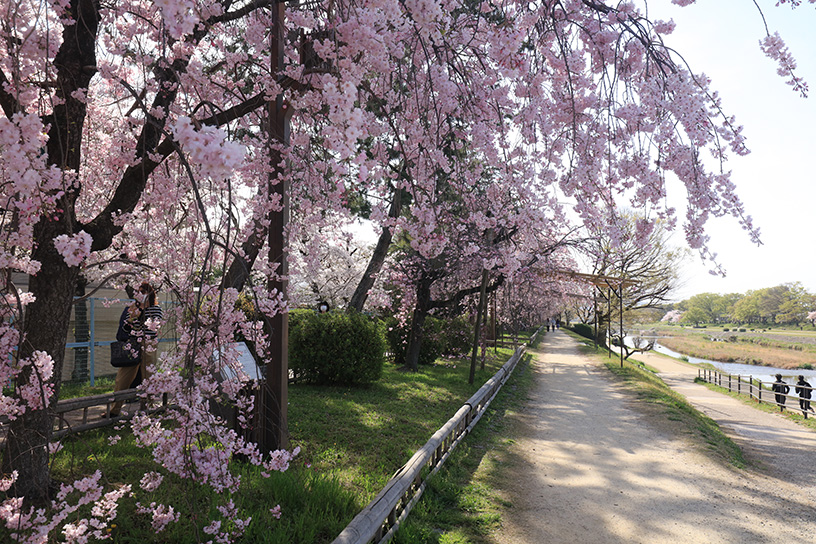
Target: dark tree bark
(477, 327)
(375, 264)
(416, 335)
(45, 328)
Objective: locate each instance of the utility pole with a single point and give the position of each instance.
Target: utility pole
(273, 397)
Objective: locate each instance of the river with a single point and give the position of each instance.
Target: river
(763, 373)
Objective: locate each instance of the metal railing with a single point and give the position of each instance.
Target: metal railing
(753, 387)
(93, 325)
(379, 521)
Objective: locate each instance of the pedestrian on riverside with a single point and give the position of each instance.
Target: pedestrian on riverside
(781, 389)
(804, 391)
(142, 320)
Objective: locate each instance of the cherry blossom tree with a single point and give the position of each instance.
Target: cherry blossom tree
(151, 139)
(673, 316)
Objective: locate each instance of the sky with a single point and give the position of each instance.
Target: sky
(776, 181)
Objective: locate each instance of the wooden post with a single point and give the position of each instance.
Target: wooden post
(495, 335)
(272, 424)
(595, 308)
(620, 301)
(609, 326)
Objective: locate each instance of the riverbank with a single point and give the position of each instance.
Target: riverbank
(777, 349)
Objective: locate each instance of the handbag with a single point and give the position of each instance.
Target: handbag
(124, 354)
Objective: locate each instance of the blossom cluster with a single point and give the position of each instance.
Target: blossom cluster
(209, 149)
(33, 526)
(477, 137)
(74, 248)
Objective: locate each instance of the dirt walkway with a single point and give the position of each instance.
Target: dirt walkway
(607, 471)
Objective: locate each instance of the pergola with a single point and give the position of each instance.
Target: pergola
(615, 284)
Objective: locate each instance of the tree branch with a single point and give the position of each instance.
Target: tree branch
(7, 101)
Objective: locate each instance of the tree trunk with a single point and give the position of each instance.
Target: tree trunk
(477, 328)
(375, 264)
(418, 324)
(45, 328)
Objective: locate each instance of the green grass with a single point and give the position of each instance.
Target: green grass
(352, 439)
(316, 507)
(460, 505)
(72, 390)
(651, 390)
(362, 436)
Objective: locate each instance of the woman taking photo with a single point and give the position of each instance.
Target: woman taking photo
(141, 320)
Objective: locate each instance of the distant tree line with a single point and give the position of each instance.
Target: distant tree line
(786, 304)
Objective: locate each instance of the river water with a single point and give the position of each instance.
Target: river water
(763, 373)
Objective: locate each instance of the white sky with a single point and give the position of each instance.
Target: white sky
(776, 181)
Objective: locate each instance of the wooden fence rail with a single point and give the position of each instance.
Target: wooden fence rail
(66, 421)
(379, 521)
(753, 387)
(66, 424)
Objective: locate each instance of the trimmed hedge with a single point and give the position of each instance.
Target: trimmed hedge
(441, 338)
(335, 347)
(584, 330)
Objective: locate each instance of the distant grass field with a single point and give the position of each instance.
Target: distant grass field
(782, 349)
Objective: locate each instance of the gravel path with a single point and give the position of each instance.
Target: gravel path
(612, 470)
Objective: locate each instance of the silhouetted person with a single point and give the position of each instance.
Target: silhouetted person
(781, 389)
(804, 390)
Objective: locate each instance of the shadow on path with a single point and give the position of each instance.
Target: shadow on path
(588, 466)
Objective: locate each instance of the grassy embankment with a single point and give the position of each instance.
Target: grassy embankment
(352, 441)
(781, 350)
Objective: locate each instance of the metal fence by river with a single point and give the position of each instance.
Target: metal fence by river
(757, 389)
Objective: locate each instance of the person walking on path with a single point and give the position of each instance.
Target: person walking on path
(781, 389)
(803, 389)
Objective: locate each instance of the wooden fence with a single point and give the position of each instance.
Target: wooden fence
(753, 387)
(74, 415)
(379, 521)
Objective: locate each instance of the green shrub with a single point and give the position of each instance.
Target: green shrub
(584, 330)
(335, 347)
(441, 338)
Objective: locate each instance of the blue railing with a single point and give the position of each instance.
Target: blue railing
(107, 337)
